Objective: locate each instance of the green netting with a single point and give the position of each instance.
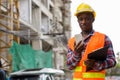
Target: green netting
(24, 57)
(44, 59)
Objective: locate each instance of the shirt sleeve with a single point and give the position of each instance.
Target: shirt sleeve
(72, 59)
(110, 60)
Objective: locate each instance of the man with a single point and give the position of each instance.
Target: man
(77, 57)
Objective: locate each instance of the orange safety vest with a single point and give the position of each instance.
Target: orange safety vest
(96, 41)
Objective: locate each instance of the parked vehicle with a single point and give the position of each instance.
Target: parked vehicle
(36, 74)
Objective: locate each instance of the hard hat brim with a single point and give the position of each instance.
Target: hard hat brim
(85, 10)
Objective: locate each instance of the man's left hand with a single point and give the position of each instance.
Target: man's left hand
(89, 63)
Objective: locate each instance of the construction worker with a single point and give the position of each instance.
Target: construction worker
(87, 41)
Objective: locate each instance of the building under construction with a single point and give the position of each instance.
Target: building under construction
(43, 24)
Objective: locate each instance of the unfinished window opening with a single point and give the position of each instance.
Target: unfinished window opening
(35, 16)
(44, 23)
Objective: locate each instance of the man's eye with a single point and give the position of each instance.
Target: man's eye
(81, 19)
(87, 18)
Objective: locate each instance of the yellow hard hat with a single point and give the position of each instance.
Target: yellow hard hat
(83, 7)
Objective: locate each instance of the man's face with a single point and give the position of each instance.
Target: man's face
(85, 21)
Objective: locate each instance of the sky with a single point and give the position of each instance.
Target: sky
(107, 19)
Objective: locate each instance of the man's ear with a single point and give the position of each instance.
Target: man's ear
(93, 19)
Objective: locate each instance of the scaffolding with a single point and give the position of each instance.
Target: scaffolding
(9, 21)
(12, 29)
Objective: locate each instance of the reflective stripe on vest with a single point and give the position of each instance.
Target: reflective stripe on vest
(78, 68)
(77, 79)
(93, 75)
(96, 41)
(88, 79)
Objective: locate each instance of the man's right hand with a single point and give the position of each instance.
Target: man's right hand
(79, 47)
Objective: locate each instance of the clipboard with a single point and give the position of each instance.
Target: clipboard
(99, 54)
